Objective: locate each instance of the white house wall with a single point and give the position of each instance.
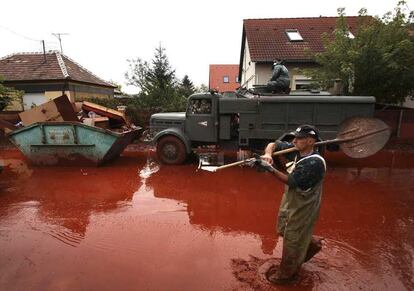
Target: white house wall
(33, 99)
(263, 73)
(248, 70)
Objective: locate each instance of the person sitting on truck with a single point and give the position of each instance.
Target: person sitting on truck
(280, 80)
(300, 204)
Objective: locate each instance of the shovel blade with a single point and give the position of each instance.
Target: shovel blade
(367, 145)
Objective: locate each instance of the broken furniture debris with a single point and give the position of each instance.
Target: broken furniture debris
(115, 118)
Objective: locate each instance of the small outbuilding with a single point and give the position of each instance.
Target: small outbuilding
(44, 76)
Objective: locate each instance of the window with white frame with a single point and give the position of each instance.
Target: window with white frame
(294, 35)
(350, 35)
(225, 79)
(301, 82)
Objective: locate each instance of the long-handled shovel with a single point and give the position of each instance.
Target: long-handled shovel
(358, 137)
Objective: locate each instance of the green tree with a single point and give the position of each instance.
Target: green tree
(157, 82)
(137, 73)
(337, 60)
(8, 95)
(384, 66)
(202, 88)
(186, 87)
(116, 84)
(379, 61)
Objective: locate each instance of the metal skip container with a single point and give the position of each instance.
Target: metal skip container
(68, 142)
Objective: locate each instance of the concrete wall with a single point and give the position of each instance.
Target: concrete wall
(83, 95)
(401, 122)
(54, 94)
(263, 73)
(81, 91)
(35, 99)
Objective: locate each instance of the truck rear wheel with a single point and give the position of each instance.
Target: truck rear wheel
(171, 150)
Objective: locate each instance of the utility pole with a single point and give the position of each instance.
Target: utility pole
(58, 35)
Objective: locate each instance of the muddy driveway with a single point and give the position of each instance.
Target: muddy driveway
(133, 225)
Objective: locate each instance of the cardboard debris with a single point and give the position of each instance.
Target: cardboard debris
(77, 106)
(58, 109)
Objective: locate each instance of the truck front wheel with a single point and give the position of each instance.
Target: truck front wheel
(171, 150)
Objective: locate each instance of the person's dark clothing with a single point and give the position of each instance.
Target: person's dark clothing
(299, 208)
(280, 79)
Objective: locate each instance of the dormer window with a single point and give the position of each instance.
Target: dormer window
(294, 35)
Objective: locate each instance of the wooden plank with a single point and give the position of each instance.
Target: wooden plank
(103, 111)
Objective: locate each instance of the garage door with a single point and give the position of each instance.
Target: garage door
(33, 99)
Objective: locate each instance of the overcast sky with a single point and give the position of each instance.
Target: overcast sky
(104, 34)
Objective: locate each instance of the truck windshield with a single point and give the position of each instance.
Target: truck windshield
(200, 106)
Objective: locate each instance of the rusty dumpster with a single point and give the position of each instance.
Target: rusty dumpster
(68, 142)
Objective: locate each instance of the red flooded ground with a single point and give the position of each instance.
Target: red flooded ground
(127, 226)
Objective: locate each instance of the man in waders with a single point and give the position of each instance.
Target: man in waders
(300, 204)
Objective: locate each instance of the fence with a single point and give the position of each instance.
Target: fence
(400, 120)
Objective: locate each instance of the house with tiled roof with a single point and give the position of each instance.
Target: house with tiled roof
(289, 39)
(224, 78)
(44, 76)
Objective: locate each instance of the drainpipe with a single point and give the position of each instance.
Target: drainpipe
(65, 87)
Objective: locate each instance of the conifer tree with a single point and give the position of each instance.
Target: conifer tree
(186, 87)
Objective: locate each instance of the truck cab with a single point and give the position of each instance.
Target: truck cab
(176, 133)
(202, 120)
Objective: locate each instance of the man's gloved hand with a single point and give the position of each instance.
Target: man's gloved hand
(262, 164)
(266, 158)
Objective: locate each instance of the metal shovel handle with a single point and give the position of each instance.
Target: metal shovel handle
(337, 140)
(282, 152)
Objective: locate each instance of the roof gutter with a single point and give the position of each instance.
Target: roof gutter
(55, 81)
(243, 44)
(290, 61)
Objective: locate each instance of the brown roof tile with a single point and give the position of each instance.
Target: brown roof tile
(267, 38)
(51, 66)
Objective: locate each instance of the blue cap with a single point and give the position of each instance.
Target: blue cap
(306, 130)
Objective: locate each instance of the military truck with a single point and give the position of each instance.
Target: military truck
(249, 123)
